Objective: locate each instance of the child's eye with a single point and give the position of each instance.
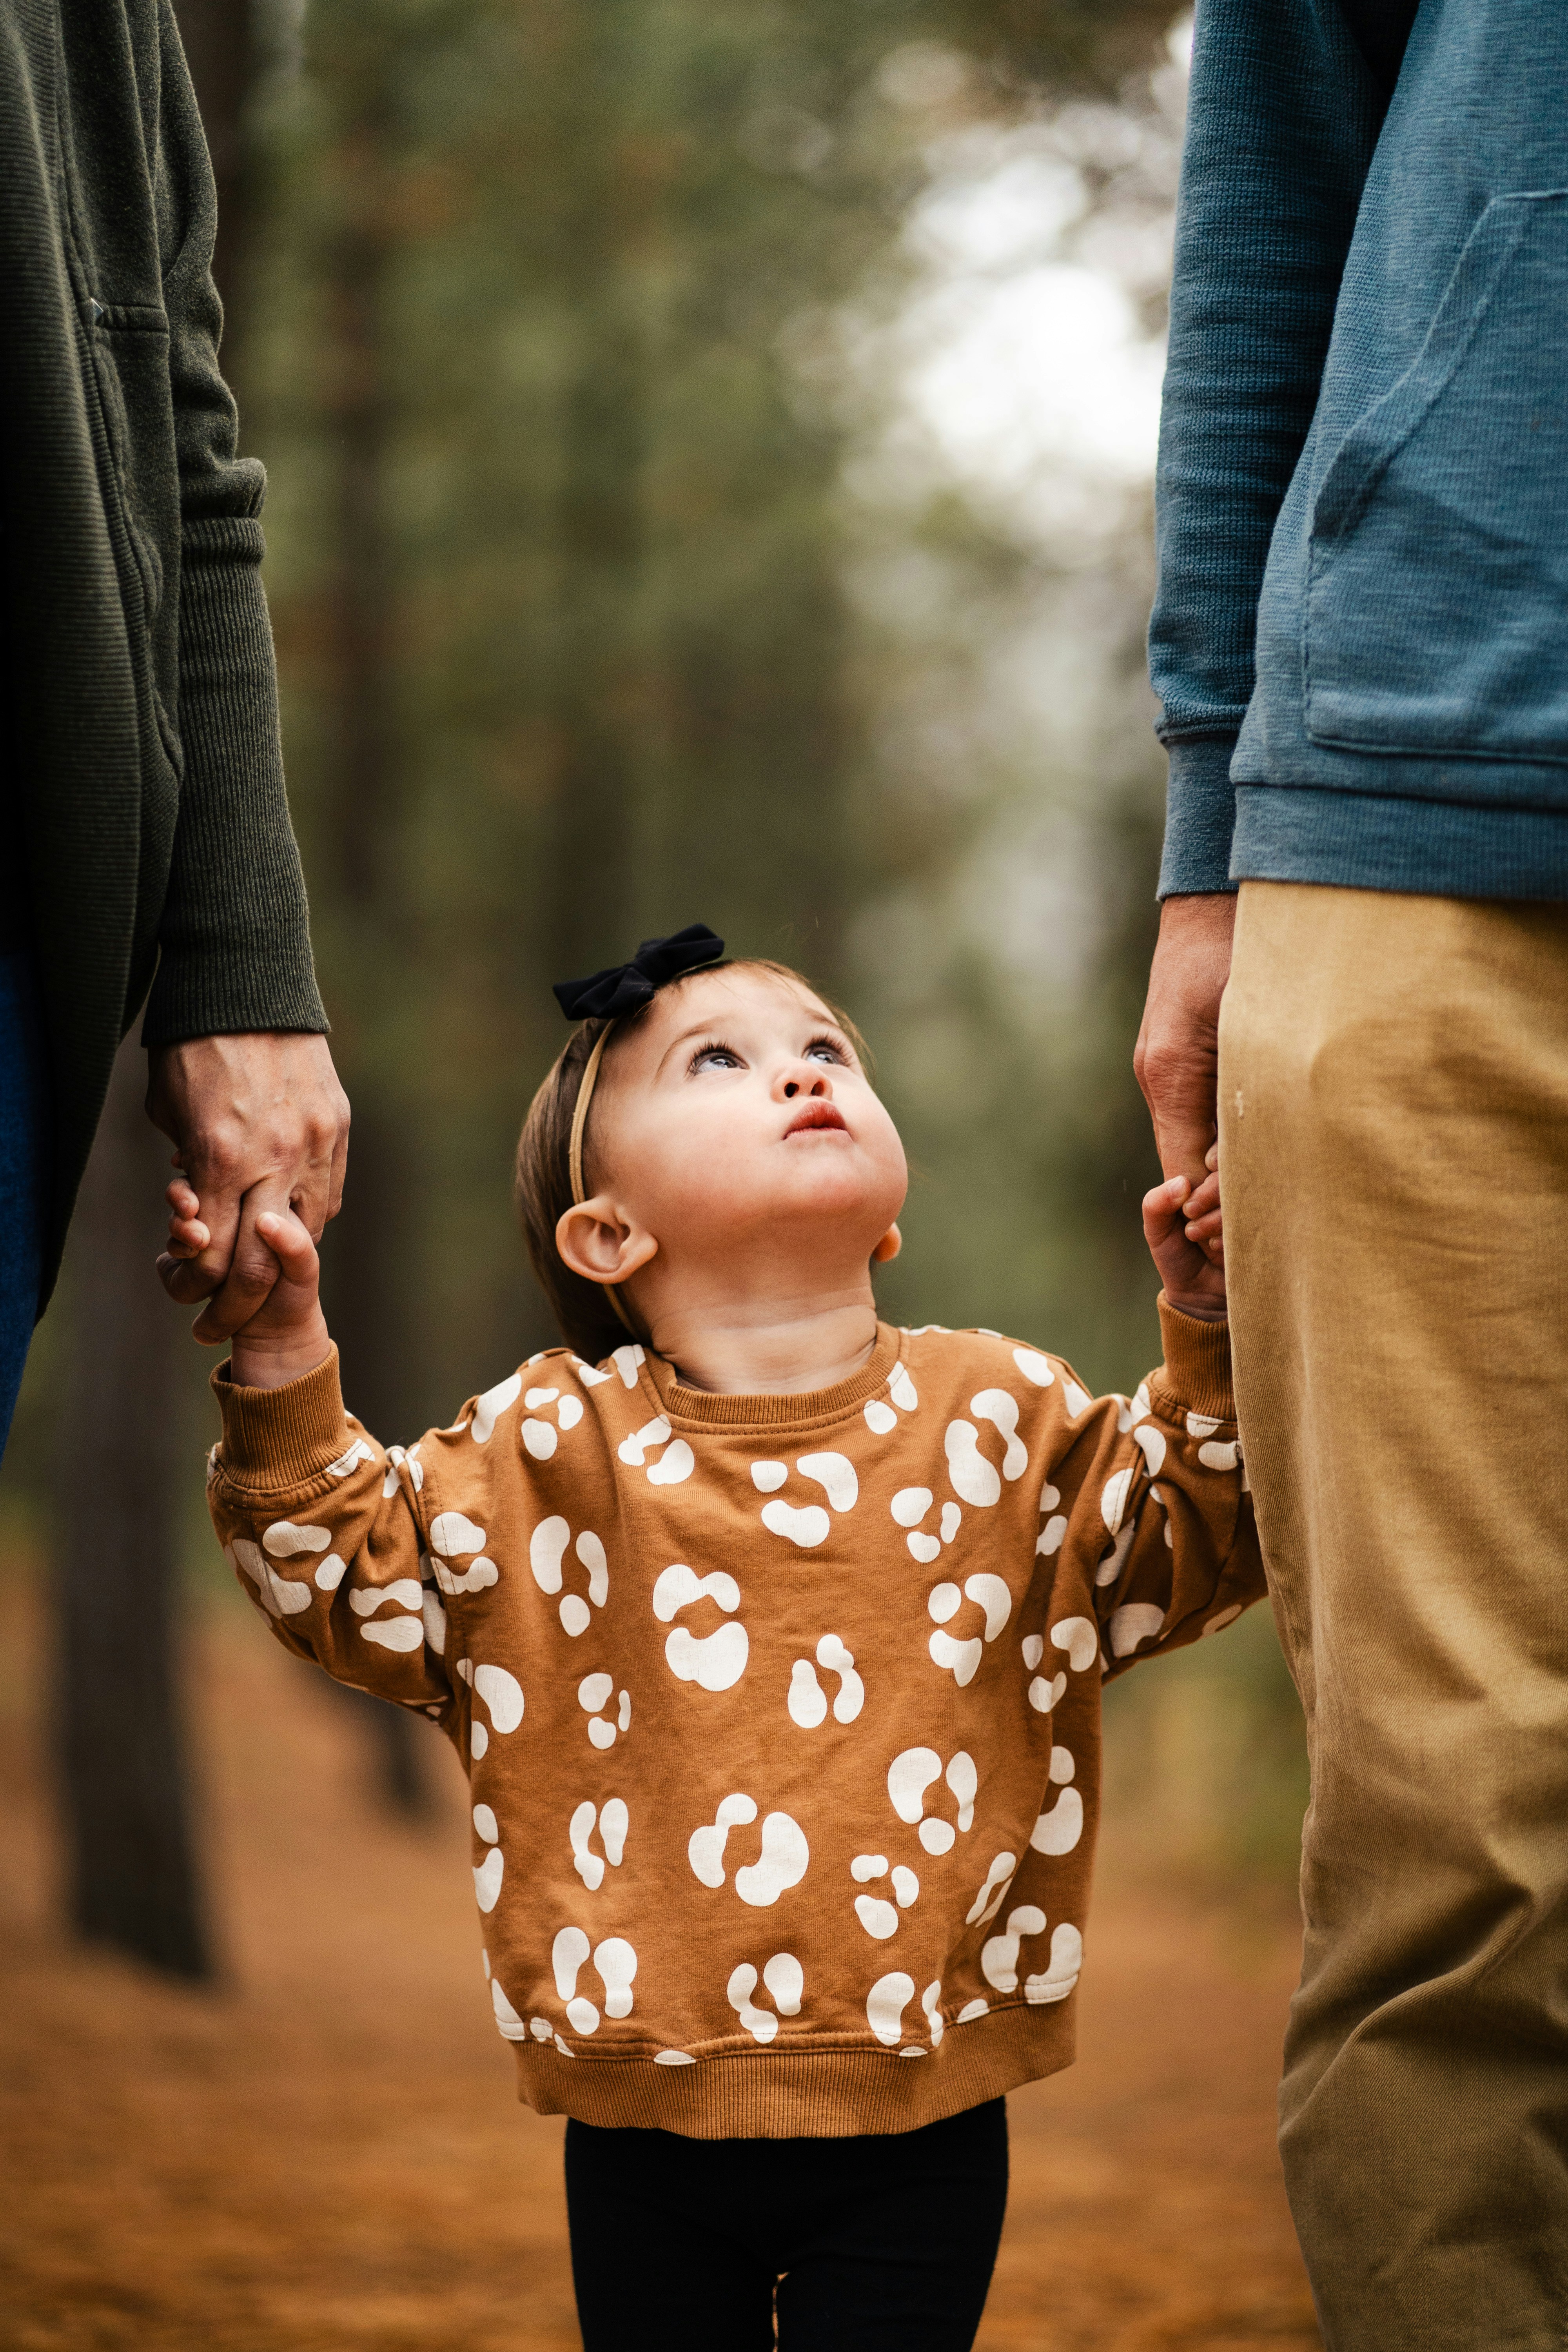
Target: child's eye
(827, 1049)
(713, 1057)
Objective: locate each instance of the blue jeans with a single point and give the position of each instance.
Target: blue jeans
(24, 1161)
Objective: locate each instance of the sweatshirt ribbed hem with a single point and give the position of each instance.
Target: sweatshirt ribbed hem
(275, 1439)
(1196, 1371)
(747, 2093)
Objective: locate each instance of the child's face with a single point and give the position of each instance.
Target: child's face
(736, 1118)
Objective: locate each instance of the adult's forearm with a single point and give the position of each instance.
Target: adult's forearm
(234, 938)
(1283, 120)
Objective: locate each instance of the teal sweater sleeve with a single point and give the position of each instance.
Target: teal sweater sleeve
(1286, 102)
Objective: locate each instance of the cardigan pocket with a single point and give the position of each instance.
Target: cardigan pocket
(129, 348)
(1433, 621)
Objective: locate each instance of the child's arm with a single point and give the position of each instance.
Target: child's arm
(1157, 1487)
(325, 1531)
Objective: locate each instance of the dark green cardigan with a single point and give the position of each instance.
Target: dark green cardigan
(141, 694)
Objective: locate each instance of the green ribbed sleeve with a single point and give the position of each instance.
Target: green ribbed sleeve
(234, 938)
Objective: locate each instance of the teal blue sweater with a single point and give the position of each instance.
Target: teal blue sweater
(1359, 639)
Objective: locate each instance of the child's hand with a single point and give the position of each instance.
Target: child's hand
(287, 1334)
(188, 1236)
(1186, 1241)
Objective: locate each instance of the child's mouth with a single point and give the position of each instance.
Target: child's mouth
(815, 1114)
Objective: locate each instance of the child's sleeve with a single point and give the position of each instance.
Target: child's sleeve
(1157, 1506)
(325, 1530)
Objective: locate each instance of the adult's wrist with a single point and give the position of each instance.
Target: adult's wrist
(1210, 911)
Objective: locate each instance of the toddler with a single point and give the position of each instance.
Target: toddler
(771, 1639)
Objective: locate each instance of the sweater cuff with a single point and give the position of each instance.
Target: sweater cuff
(282, 1437)
(1200, 818)
(1196, 1371)
(234, 994)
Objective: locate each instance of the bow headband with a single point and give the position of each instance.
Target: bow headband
(622, 987)
(605, 996)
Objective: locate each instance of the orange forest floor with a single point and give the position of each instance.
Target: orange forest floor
(325, 2153)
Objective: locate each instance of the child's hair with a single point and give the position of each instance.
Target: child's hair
(541, 1185)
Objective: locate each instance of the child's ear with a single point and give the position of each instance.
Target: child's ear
(596, 1242)
(887, 1248)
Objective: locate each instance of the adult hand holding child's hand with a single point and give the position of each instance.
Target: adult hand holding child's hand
(261, 1124)
(1181, 1226)
(287, 1334)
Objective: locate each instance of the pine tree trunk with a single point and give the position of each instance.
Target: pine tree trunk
(132, 1872)
(592, 899)
(223, 45)
(366, 1264)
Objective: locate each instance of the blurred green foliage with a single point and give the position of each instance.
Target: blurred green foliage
(601, 608)
(519, 351)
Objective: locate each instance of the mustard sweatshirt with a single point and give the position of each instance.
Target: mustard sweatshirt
(781, 1713)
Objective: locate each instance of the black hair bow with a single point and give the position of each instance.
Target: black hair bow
(604, 995)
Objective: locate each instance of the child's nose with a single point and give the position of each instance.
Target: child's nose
(804, 1079)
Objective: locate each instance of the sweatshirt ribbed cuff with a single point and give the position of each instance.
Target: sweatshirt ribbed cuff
(1197, 1363)
(1200, 818)
(282, 1437)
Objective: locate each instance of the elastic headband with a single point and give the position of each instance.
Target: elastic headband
(604, 996)
(579, 1115)
(574, 1151)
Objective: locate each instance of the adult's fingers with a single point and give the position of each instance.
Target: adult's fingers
(316, 1193)
(248, 1111)
(191, 1279)
(252, 1271)
(1204, 1198)
(339, 1163)
(1177, 1055)
(216, 1189)
(1177, 1066)
(321, 1146)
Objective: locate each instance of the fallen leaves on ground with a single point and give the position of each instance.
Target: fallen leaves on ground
(325, 2153)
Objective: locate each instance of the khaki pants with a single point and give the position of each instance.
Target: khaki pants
(1393, 1120)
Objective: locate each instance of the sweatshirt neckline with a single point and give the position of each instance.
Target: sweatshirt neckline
(801, 1408)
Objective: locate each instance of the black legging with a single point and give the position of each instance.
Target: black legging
(882, 2244)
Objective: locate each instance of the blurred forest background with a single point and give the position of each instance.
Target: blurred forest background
(711, 445)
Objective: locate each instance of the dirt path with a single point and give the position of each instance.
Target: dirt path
(326, 2155)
